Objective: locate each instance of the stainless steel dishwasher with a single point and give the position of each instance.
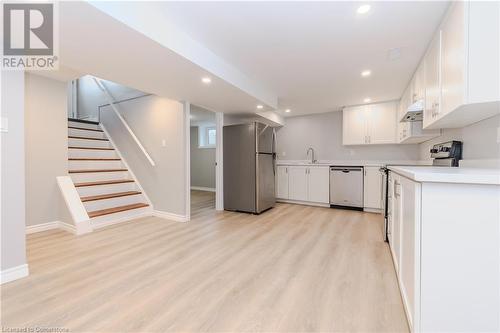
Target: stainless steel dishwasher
(346, 187)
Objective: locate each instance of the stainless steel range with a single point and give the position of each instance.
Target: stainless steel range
(446, 154)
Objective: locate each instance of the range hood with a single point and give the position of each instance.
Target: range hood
(415, 112)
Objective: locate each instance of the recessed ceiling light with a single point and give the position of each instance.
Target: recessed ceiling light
(367, 100)
(259, 107)
(366, 73)
(364, 9)
(206, 80)
(288, 110)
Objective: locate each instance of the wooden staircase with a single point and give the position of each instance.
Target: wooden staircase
(105, 185)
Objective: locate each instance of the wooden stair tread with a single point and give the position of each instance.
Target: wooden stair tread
(104, 182)
(93, 159)
(86, 138)
(118, 209)
(96, 170)
(83, 121)
(109, 196)
(91, 148)
(86, 129)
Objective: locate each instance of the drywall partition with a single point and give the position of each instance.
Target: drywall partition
(480, 141)
(13, 223)
(46, 135)
(323, 132)
(159, 125)
(202, 163)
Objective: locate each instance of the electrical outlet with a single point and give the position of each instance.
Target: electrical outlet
(283, 154)
(163, 143)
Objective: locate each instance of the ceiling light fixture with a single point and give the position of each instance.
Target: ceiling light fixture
(206, 80)
(364, 9)
(288, 110)
(259, 107)
(366, 73)
(367, 100)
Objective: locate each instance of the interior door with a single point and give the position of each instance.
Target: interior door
(297, 183)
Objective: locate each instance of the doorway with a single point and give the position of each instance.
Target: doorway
(203, 157)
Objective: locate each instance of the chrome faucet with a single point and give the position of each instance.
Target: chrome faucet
(310, 149)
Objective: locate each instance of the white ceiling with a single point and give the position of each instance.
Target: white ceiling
(311, 53)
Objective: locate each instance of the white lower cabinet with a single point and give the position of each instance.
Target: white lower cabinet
(372, 188)
(297, 183)
(303, 183)
(445, 242)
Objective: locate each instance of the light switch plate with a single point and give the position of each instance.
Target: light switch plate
(4, 124)
(163, 143)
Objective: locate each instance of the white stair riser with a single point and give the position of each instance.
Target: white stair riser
(85, 165)
(83, 125)
(98, 176)
(121, 216)
(85, 133)
(88, 153)
(104, 189)
(114, 202)
(88, 143)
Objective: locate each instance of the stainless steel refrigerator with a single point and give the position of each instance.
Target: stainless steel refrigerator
(249, 167)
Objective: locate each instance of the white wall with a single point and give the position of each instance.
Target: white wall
(323, 132)
(153, 119)
(202, 163)
(46, 147)
(12, 157)
(89, 97)
(479, 140)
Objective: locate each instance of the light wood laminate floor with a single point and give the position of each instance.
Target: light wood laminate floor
(293, 268)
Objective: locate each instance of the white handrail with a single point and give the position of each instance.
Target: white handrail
(112, 104)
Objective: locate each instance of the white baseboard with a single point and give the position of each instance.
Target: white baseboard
(14, 273)
(31, 229)
(373, 210)
(97, 224)
(80, 229)
(306, 203)
(201, 188)
(170, 216)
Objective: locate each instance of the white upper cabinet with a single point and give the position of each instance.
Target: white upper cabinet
(382, 123)
(418, 85)
(370, 124)
(432, 65)
(468, 83)
(354, 125)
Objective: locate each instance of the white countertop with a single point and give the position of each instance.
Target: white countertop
(350, 163)
(449, 175)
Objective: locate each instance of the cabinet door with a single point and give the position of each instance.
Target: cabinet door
(319, 184)
(282, 182)
(372, 188)
(453, 58)
(382, 123)
(354, 126)
(396, 221)
(418, 84)
(297, 183)
(432, 67)
(410, 219)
